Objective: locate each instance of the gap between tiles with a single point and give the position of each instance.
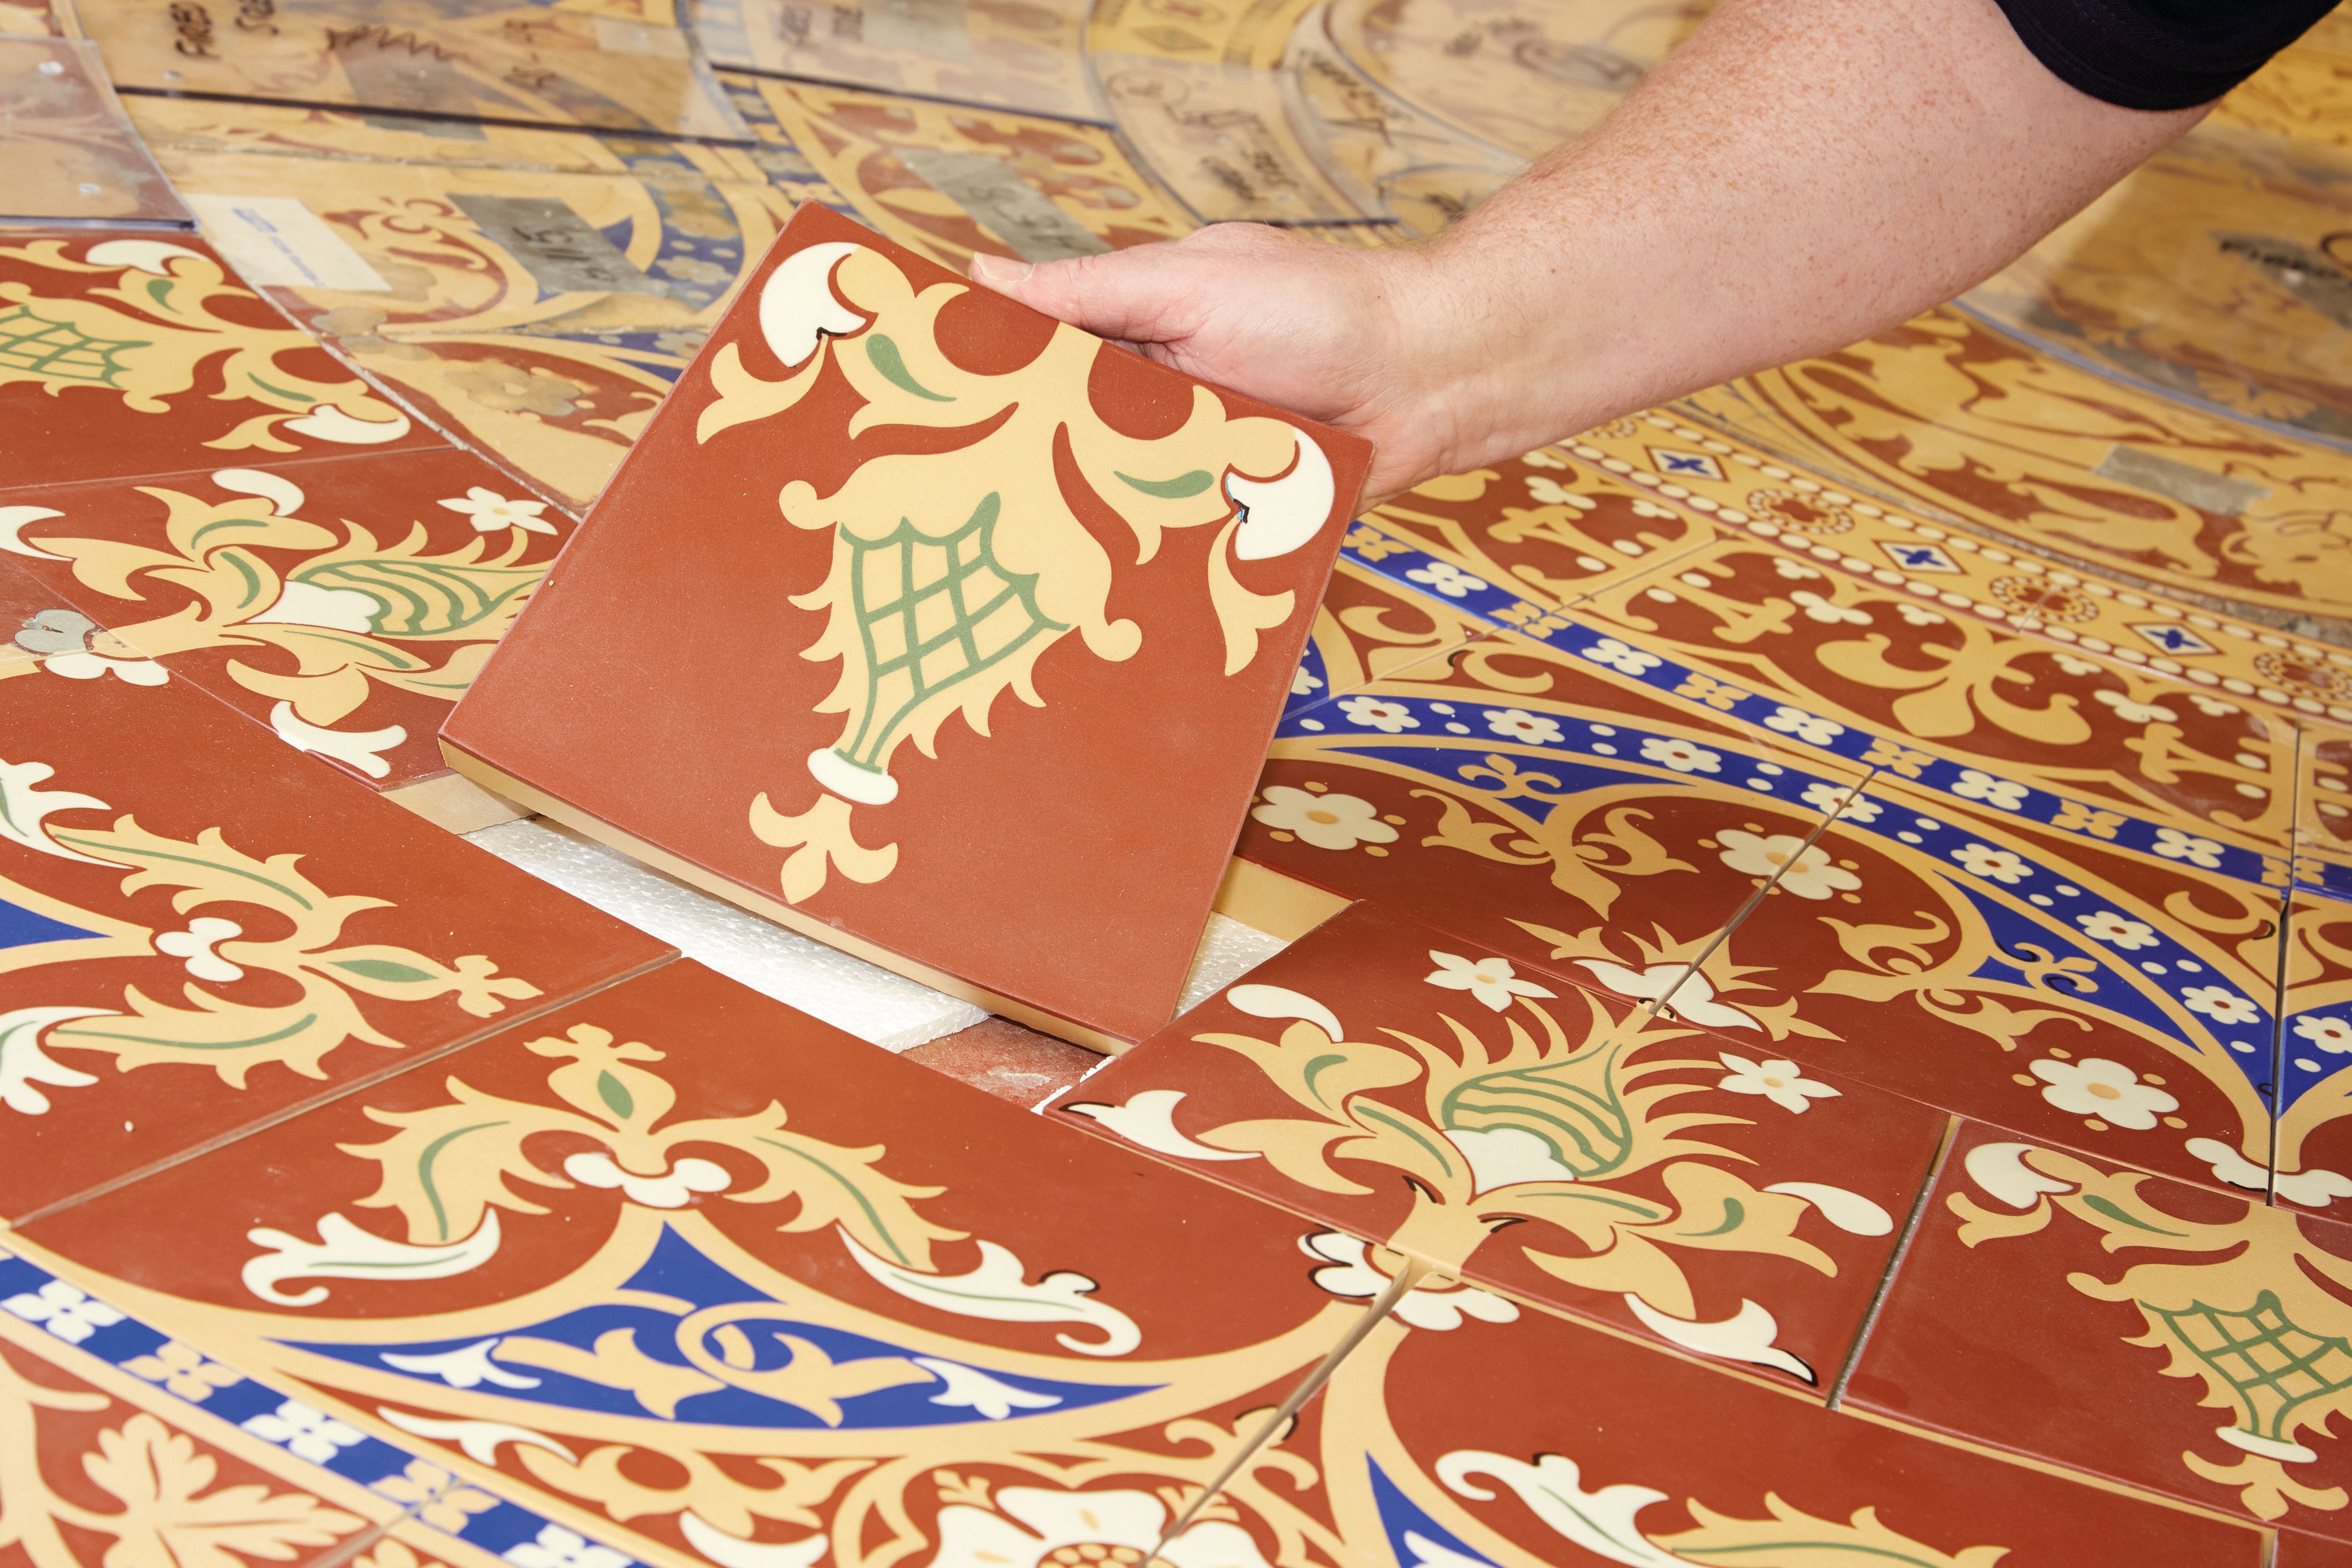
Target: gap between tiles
(305, 1107)
(2278, 1035)
(1911, 1223)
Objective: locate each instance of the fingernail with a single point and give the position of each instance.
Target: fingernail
(999, 273)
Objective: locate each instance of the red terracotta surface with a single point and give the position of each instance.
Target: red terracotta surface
(659, 653)
(676, 1211)
(131, 352)
(352, 595)
(1000, 1056)
(1549, 1141)
(207, 930)
(2119, 1322)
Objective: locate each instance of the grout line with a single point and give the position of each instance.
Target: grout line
(1828, 818)
(305, 1108)
(433, 116)
(2278, 1038)
(1376, 1313)
(1895, 1260)
(364, 1541)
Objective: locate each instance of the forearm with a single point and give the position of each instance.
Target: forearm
(1801, 175)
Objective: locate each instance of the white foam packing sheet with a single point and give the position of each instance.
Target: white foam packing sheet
(870, 1002)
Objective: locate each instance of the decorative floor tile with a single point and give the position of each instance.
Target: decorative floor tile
(1538, 1442)
(1842, 524)
(2322, 822)
(203, 930)
(686, 1273)
(912, 169)
(103, 1466)
(343, 603)
(1539, 527)
(534, 64)
(71, 155)
(1022, 58)
(1876, 665)
(2125, 1325)
(124, 353)
(1547, 805)
(2295, 1550)
(2312, 1164)
(2304, 92)
(1508, 1127)
(2082, 992)
(1006, 1061)
(1367, 629)
(967, 449)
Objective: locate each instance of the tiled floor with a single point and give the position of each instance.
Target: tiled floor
(1817, 1018)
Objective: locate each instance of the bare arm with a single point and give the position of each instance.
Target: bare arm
(1801, 175)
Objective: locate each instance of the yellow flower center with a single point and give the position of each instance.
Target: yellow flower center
(1111, 1556)
(1325, 817)
(2105, 1092)
(1776, 1083)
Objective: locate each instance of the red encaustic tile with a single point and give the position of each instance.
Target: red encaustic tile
(2312, 1163)
(1008, 1061)
(1533, 1440)
(343, 603)
(700, 1276)
(948, 553)
(124, 353)
(102, 1468)
(1537, 1138)
(2132, 1326)
(203, 930)
(2087, 994)
(1546, 806)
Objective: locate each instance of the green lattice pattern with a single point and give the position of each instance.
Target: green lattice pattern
(2272, 1365)
(932, 613)
(31, 342)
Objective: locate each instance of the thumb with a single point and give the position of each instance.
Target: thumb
(1122, 295)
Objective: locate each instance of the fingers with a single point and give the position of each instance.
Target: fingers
(1131, 296)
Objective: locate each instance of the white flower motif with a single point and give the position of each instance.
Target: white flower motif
(1795, 571)
(2174, 845)
(2109, 1090)
(1518, 724)
(1490, 980)
(2219, 1003)
(1810, 728)
(1975, 783)
(1693, 999)
(1810, 875)
(1446, 578)
(2331, 1035)
(305, 1433)
(2074, 664)
(185, 1371)
(1919, 616)
(1622, 656)
(560, 1548)
(1351, 1275)
(1372, 713)
(1544, 458)
(1681, 755)
(65, 1311)
(1031, 1527)
(1817, 608)
(1550, 492)
(2108, 926)
(668, 1191)
(1781, 1082)
(2213, 707)
(1855, 807)
(329, 609)
(1326, 821)
(489, 511)
(1996, 864)
(2132, 712)
(87, 666)
(195, 947)
(1302, 683)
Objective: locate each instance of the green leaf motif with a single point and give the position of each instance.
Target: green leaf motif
(617, 1096)
(887, 359)
(384, 970)
(1177, 489)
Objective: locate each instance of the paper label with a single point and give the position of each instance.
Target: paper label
(277, 242)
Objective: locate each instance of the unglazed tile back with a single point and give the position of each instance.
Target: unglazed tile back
(932, 624)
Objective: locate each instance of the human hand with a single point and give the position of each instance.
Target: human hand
(1351, 338)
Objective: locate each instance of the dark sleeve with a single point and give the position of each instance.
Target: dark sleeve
(2158, 54)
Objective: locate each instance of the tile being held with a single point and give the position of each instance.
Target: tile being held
(1523, 1132)
(2178, 1340)
(681, 1272)
(204, 931)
